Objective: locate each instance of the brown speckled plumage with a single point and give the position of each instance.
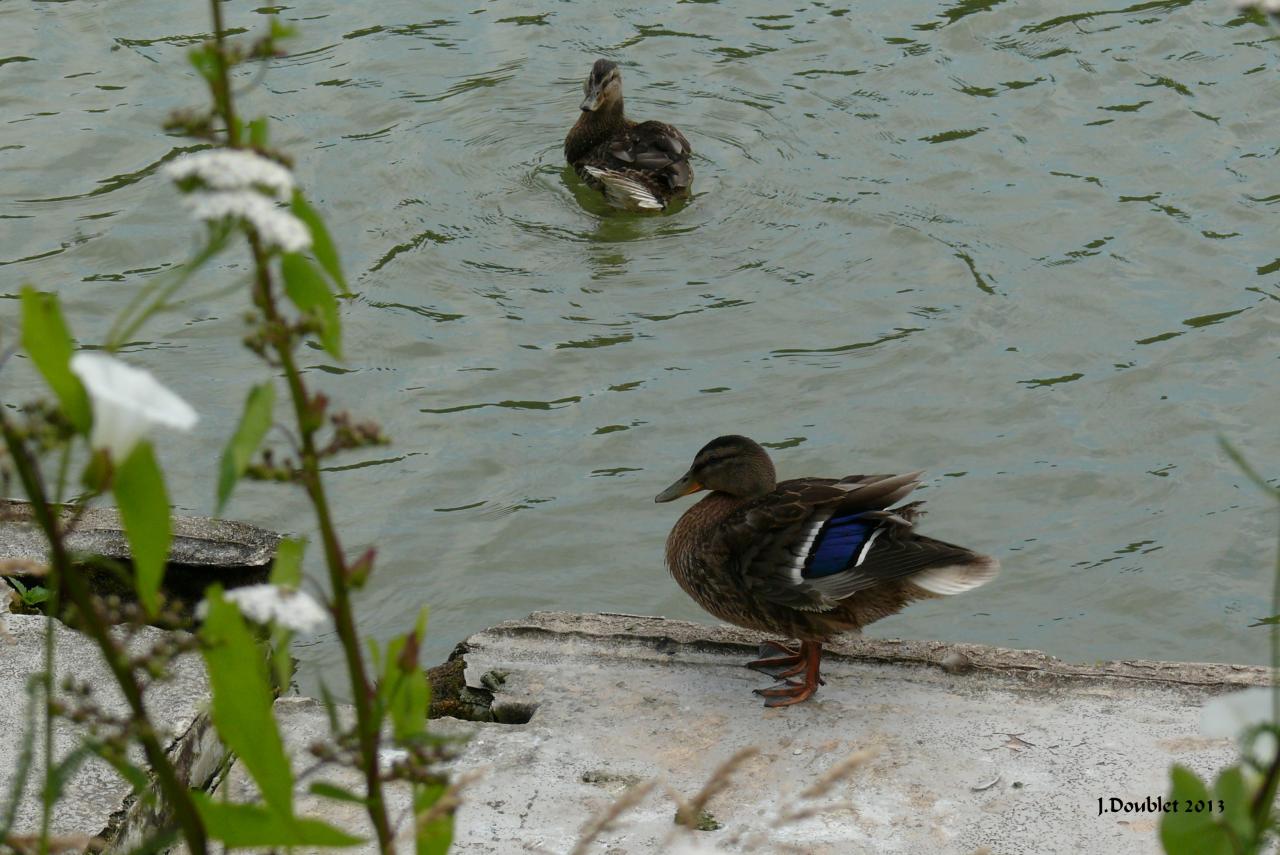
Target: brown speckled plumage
(637, 165)
(749, 551)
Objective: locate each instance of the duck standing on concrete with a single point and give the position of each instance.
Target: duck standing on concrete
(639, 166)
(807, 558)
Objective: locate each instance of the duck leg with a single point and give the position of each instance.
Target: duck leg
(793, 693)
(780, 656)
(775, 655)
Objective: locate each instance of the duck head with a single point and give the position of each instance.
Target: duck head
(602, 88)
(730, 464)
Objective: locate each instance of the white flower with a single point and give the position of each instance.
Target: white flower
(1232, 715)
(127, 403)
(244, 185)
(233, 169)
(276, 226)
(267, 603)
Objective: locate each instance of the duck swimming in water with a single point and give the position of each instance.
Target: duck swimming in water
(808, 558)
(639, 166)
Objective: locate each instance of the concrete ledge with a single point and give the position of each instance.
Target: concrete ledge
(728, 640)
(961, 746)
(1012, 753)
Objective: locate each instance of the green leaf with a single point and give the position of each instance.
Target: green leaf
(1184, 833)
(258, 133)
(281, 657)
(241, 825)
(309, 292)
(410, 693)
(280, 31)
(144, 509)
(1266, 621)
(37, 595)
(321, 242)
(1236, 799)
(48, 342)
(333, 791)
(204, 60)
(254, 424)
(409, 705)
(286, 569)
(434, 836)
(242, 700)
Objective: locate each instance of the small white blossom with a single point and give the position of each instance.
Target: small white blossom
(246, 186)
(267, 603)
(127, 403)
(233, 169)
(1232, 715)
(276, 226)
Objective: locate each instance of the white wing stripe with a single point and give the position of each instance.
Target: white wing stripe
(866, 547)
(805, 544)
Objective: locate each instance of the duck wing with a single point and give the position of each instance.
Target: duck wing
(814, 542)
(642, 167)
(658, 149)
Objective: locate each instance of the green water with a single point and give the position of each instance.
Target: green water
(1028, 247)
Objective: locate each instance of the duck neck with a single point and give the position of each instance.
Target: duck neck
(593, 128)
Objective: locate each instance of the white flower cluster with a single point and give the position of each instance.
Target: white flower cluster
(246, 186)
(233, 169)
(127, 403)
(270, 603)
(276, 226)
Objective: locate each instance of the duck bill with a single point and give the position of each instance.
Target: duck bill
(591, 103)
(683, 487)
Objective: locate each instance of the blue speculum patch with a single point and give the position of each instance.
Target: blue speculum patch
(837, 545)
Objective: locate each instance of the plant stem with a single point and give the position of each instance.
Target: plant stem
(222, 91)
(367, 726)
(46, 795)
(175, 793)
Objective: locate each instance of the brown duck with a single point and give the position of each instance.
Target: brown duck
(807, 558)
(639, 166)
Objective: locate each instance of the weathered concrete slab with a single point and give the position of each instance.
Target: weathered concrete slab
(203, 551)
(1011, 754)
(197, 541)
(96, 797)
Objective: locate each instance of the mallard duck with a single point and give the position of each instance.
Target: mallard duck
(639, 166)
(807, 558)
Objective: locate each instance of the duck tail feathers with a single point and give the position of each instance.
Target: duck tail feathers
(957, 578)
(620, 191)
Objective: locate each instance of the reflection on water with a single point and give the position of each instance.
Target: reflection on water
(1028, 249)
